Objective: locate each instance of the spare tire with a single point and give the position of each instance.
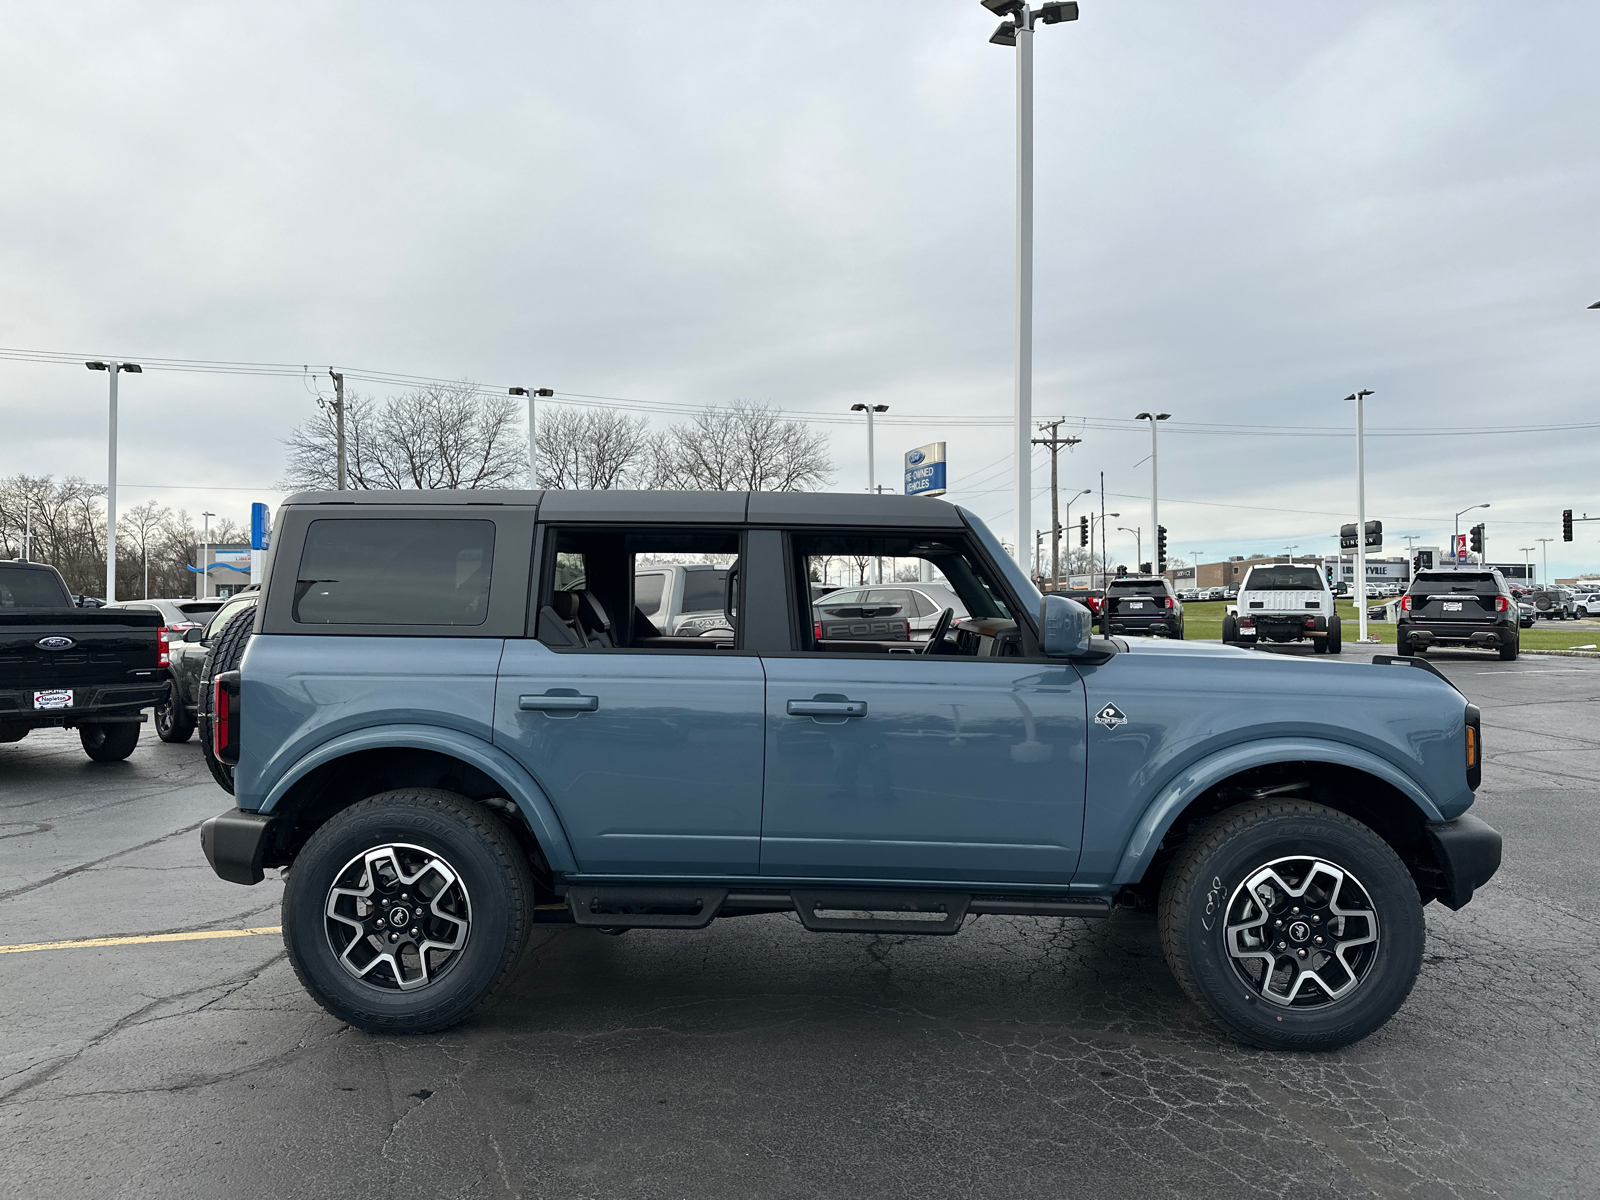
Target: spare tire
(225, 653)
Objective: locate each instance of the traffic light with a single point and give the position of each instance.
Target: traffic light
(1122, 572)
(1144, 569)
(1566, 525)
(1476, 535)
(1083, 531)
(1161, 549)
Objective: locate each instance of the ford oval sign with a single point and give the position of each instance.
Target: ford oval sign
(56, 642)
(915, 458)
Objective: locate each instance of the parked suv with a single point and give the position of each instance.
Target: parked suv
(1282, 602)
(1464, 606)
(1142, 604)
(447, 743)
(1554, 604)
(189, 656)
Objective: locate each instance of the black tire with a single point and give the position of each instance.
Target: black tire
(1508, 653)
(109, 742)
(1177, 633)
(497, 905)
(172, 719)
(224, 655)
(1205, 889)
(1230, 629)
(1319, 645)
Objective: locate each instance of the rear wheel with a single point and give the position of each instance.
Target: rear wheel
(1230, 630)
(406, 912)
(1509, 650)
(1335, 638)
(109, 742)
(1402, 646)
(173, 722)
(1295, 926)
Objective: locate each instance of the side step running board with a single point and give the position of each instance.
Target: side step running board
(821, 911)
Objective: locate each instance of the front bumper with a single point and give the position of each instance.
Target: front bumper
(1468, 853)
(235, 842)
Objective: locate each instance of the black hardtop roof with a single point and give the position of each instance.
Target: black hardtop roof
(28, 566)
(759, 508)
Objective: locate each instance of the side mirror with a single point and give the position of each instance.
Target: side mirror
(195, 634)
(1065, 627)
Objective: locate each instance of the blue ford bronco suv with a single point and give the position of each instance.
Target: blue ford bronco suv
(454, 721)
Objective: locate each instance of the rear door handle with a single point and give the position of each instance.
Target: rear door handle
(567, 703)
(827, 708)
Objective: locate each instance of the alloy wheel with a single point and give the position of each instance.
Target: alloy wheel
(397, 916)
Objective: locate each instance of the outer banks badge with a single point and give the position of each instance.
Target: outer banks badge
(1110, 716)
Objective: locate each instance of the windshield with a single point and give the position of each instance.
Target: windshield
(1284, 579)
(1139, 587)
(1446, 581)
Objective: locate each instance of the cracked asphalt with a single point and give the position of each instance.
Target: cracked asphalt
(1019, 1058)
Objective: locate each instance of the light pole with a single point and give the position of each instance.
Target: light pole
(1361, 508)
(1055, 546)
(1093, 517)
(115, 369)
(1544, 574)
(1138, 545)
(1527, 564)
(872, 466)
(1155, 512)
(205, 553)
(533, 450)
(1457, 534)
(1017, 32)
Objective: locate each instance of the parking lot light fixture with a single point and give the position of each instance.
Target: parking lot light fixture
(1361, 508)
(1596, 304)
(1544, 573)
(872, 466)
(1138, 543)
(114, 369)
(533, 452)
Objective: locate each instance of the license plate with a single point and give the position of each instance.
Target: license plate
(1452, 606)
(53, 699)
(1135, 603)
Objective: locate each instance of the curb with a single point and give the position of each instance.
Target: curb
(1566, 653)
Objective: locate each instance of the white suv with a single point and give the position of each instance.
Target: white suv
(1281, 602)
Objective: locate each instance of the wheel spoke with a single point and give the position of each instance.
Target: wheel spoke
(404, 905)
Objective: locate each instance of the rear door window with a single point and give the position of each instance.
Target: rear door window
(379, 571)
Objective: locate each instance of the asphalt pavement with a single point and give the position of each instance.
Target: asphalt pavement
(1020, 1058)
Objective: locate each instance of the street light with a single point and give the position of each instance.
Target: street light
(872, 468)
(1016, 31)
(1153, 418)
(1055, 546)
(533, 452)
(115, 368)
(1361, 508)
(1093, 517)
(1545, 549)
(1138, 543)
(1467, 509)
(1527, 566)
(205, 553)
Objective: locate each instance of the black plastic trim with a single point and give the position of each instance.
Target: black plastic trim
(235, 843)
(1468, 851)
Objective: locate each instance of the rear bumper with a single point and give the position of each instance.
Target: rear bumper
(1468, 853)
(1270, 628)
(121, 702)
(235, 842)
(1163, 625)
(1475, 633)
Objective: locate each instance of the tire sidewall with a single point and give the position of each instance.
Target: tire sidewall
(482, 872)
(1388, 884)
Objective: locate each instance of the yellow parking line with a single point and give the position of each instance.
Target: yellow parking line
(93, 943)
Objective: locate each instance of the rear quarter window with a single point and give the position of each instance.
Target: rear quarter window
(394, 571)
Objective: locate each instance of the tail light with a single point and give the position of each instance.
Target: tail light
(816, 630)
(1311, 622)
(1502, 604)
(1405, 603)
(1247, 622)
(163, 648)
(1169, 601)
(908, 631)
(225, 717)
(1474, 747)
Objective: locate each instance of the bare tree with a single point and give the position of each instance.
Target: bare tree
(592, 448)
(444, 435)
(738, 448)
(139, 525)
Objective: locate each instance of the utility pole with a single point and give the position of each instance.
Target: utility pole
(533, 449)
(338, 418)
(1055, 441)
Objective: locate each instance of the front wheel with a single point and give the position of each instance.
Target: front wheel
(173, 721)
(109, 742)
(1295, 926)
(406, 912)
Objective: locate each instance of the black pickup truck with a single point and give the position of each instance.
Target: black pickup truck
(89, 669)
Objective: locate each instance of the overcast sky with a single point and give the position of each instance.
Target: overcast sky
(1245, 212)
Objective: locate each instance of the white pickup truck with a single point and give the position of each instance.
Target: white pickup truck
(1281, 602)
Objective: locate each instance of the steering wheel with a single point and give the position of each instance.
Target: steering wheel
(939, 630)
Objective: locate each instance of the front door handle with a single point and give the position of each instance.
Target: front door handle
(558, 703)
(827, 708)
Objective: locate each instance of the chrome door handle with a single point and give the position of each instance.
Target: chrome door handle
(549, 703)
(827, 708)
